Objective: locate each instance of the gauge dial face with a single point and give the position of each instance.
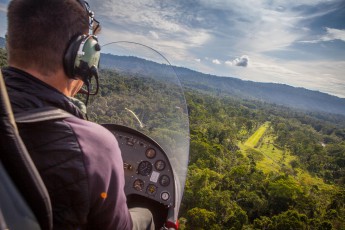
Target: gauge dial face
(165, 196)
(164, 180)
(160, 165)
(151, 189)
(150, 153)
(138, 185)
(145, 168)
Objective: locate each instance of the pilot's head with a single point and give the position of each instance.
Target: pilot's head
(53, 37)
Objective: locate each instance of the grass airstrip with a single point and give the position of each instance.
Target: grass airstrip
(271, 158)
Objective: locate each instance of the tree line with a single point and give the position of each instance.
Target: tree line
(225, 189)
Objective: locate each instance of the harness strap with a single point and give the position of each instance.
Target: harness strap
(41, 114)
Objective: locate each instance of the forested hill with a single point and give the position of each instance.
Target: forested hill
(280, 94)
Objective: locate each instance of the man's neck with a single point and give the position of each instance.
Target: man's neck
(58, 80)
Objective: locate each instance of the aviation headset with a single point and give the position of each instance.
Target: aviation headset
(81, 58)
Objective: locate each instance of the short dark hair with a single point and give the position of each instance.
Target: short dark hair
(39, 32)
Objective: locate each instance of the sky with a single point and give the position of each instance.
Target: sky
(298, 43)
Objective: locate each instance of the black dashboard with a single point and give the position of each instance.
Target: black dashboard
(148, 172)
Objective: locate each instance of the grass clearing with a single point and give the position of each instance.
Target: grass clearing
(255, 138)
(276, 159)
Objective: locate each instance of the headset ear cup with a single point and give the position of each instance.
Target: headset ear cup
(71, 55)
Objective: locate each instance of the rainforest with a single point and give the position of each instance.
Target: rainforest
(254, 164)
(260, 166)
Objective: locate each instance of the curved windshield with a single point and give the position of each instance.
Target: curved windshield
(139, 89)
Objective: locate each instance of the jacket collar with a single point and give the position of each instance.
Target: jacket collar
(27, 92)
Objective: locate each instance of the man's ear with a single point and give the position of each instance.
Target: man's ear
(75, 86)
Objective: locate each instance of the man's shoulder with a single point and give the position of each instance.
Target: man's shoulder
(94, 139)
(90, 130)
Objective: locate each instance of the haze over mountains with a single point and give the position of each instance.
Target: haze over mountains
(299, 98)
(279, 94)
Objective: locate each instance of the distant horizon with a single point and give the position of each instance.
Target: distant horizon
(223, 76)
(220, 76)
(297, 43)
(338, 96)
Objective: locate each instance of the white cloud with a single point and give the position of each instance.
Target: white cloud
(334, 34)
(216, 61)
(150, 23)
(147, 15)
(258, 25)
(154, 34)
(229, 63)
(331, 35)
(264, 26)
(242, 61)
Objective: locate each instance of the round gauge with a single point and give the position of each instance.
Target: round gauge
(160, 165)
(138, 185)
(165, 196)
(151, 189)
(145, 168)
(150, 153)
(164, 180)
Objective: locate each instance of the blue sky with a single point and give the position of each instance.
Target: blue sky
(299, 43)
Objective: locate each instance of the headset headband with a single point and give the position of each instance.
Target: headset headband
(90, 14)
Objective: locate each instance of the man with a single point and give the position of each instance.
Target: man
(79, 161)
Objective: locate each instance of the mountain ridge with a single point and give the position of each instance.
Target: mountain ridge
(274, 93)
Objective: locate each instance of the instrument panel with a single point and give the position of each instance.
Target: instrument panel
(147, 169)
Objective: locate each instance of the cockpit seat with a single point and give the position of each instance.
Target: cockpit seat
(24, 200)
